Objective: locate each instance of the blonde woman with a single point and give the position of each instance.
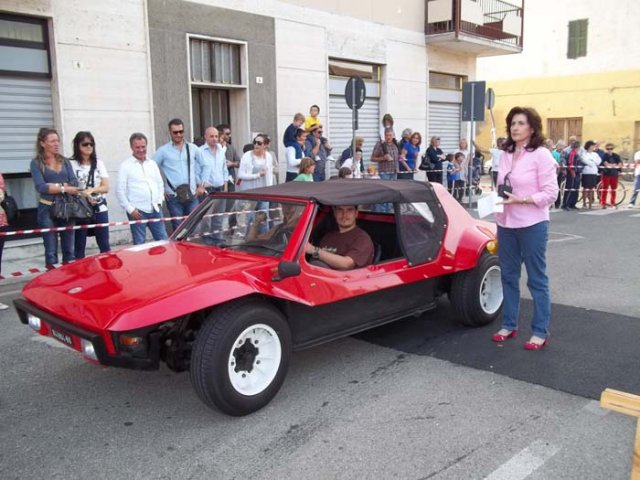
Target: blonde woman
(52, 176)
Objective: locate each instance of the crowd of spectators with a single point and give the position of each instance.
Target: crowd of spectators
(182, 173)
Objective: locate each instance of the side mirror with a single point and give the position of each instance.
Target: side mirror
(287, 269)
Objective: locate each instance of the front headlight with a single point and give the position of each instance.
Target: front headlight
(34, 322)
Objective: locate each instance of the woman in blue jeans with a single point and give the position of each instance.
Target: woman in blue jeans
(93, 181)
(52, 176)
(523, 227)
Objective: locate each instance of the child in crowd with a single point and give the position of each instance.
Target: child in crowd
(453, 175)
(448, 161)
(307, 167)
(345, 172)
(289, 138)
(355, 164)
(313, 118)
(477, 166)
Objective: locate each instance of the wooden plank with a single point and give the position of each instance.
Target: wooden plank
(628, 404)
(635, 465)
(620, 402)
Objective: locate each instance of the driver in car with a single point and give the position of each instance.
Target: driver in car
(346, 248)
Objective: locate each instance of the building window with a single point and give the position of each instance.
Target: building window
(218, 80)
(24, 46)
(577, 45)
(346, 69)
(563, 128)
(215, 62)
(445, 81)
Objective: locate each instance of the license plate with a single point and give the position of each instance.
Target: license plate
(62, 337)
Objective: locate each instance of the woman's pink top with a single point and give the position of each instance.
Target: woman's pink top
(534, 176)
(3, 215)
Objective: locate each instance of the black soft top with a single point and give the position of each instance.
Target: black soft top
(351, 191)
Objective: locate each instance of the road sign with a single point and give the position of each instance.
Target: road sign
(355, 93)
(490, 101)
(473, 101)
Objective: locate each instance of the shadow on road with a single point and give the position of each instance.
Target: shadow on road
(588, 350)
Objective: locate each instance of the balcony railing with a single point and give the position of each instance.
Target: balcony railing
(495, 20)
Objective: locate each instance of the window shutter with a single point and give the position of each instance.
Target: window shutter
(577, 44)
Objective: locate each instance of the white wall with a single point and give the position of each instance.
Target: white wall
(612, 40)
(306, 39)
(101, 78)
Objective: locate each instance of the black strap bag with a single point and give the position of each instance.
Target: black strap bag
(71, 207)
(10, 207)
(183, 192)
(425, 164)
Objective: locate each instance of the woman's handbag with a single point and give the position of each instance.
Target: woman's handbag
(71, 207)
(425, 164)
(10, 207)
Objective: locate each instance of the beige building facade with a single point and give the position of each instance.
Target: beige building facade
(130, 65)
(579, 68)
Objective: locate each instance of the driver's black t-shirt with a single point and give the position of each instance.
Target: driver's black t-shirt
(355, 244)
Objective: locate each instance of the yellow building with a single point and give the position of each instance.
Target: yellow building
(578, 69)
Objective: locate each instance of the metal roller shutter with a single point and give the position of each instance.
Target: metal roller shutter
(25, 107)
(445, 122)
(340, 125)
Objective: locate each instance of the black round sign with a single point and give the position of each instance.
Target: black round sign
(355, 93)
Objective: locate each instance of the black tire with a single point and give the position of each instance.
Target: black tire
(215, 354)
(476, 295)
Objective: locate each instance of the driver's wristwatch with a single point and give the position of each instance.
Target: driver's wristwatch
(316, 253)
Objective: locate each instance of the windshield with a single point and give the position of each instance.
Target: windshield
(252, 225)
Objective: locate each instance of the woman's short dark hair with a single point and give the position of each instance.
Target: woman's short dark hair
(534, 121)
(589, 144)
(77, 140)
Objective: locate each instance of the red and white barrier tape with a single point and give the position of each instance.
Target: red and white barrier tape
(84, 227)
(30, 271)
(124, 222)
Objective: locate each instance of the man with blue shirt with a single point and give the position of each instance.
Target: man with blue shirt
(215, 159)
(180, 163)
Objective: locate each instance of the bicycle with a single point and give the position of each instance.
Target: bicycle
(621, 192)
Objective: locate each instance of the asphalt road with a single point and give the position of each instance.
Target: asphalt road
(422, 398)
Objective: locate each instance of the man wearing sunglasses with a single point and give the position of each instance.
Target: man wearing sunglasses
(230, 153)
(318, 148)
(180, 161)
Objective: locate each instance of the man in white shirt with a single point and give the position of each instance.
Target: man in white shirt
(213, 156)
(140, 190)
